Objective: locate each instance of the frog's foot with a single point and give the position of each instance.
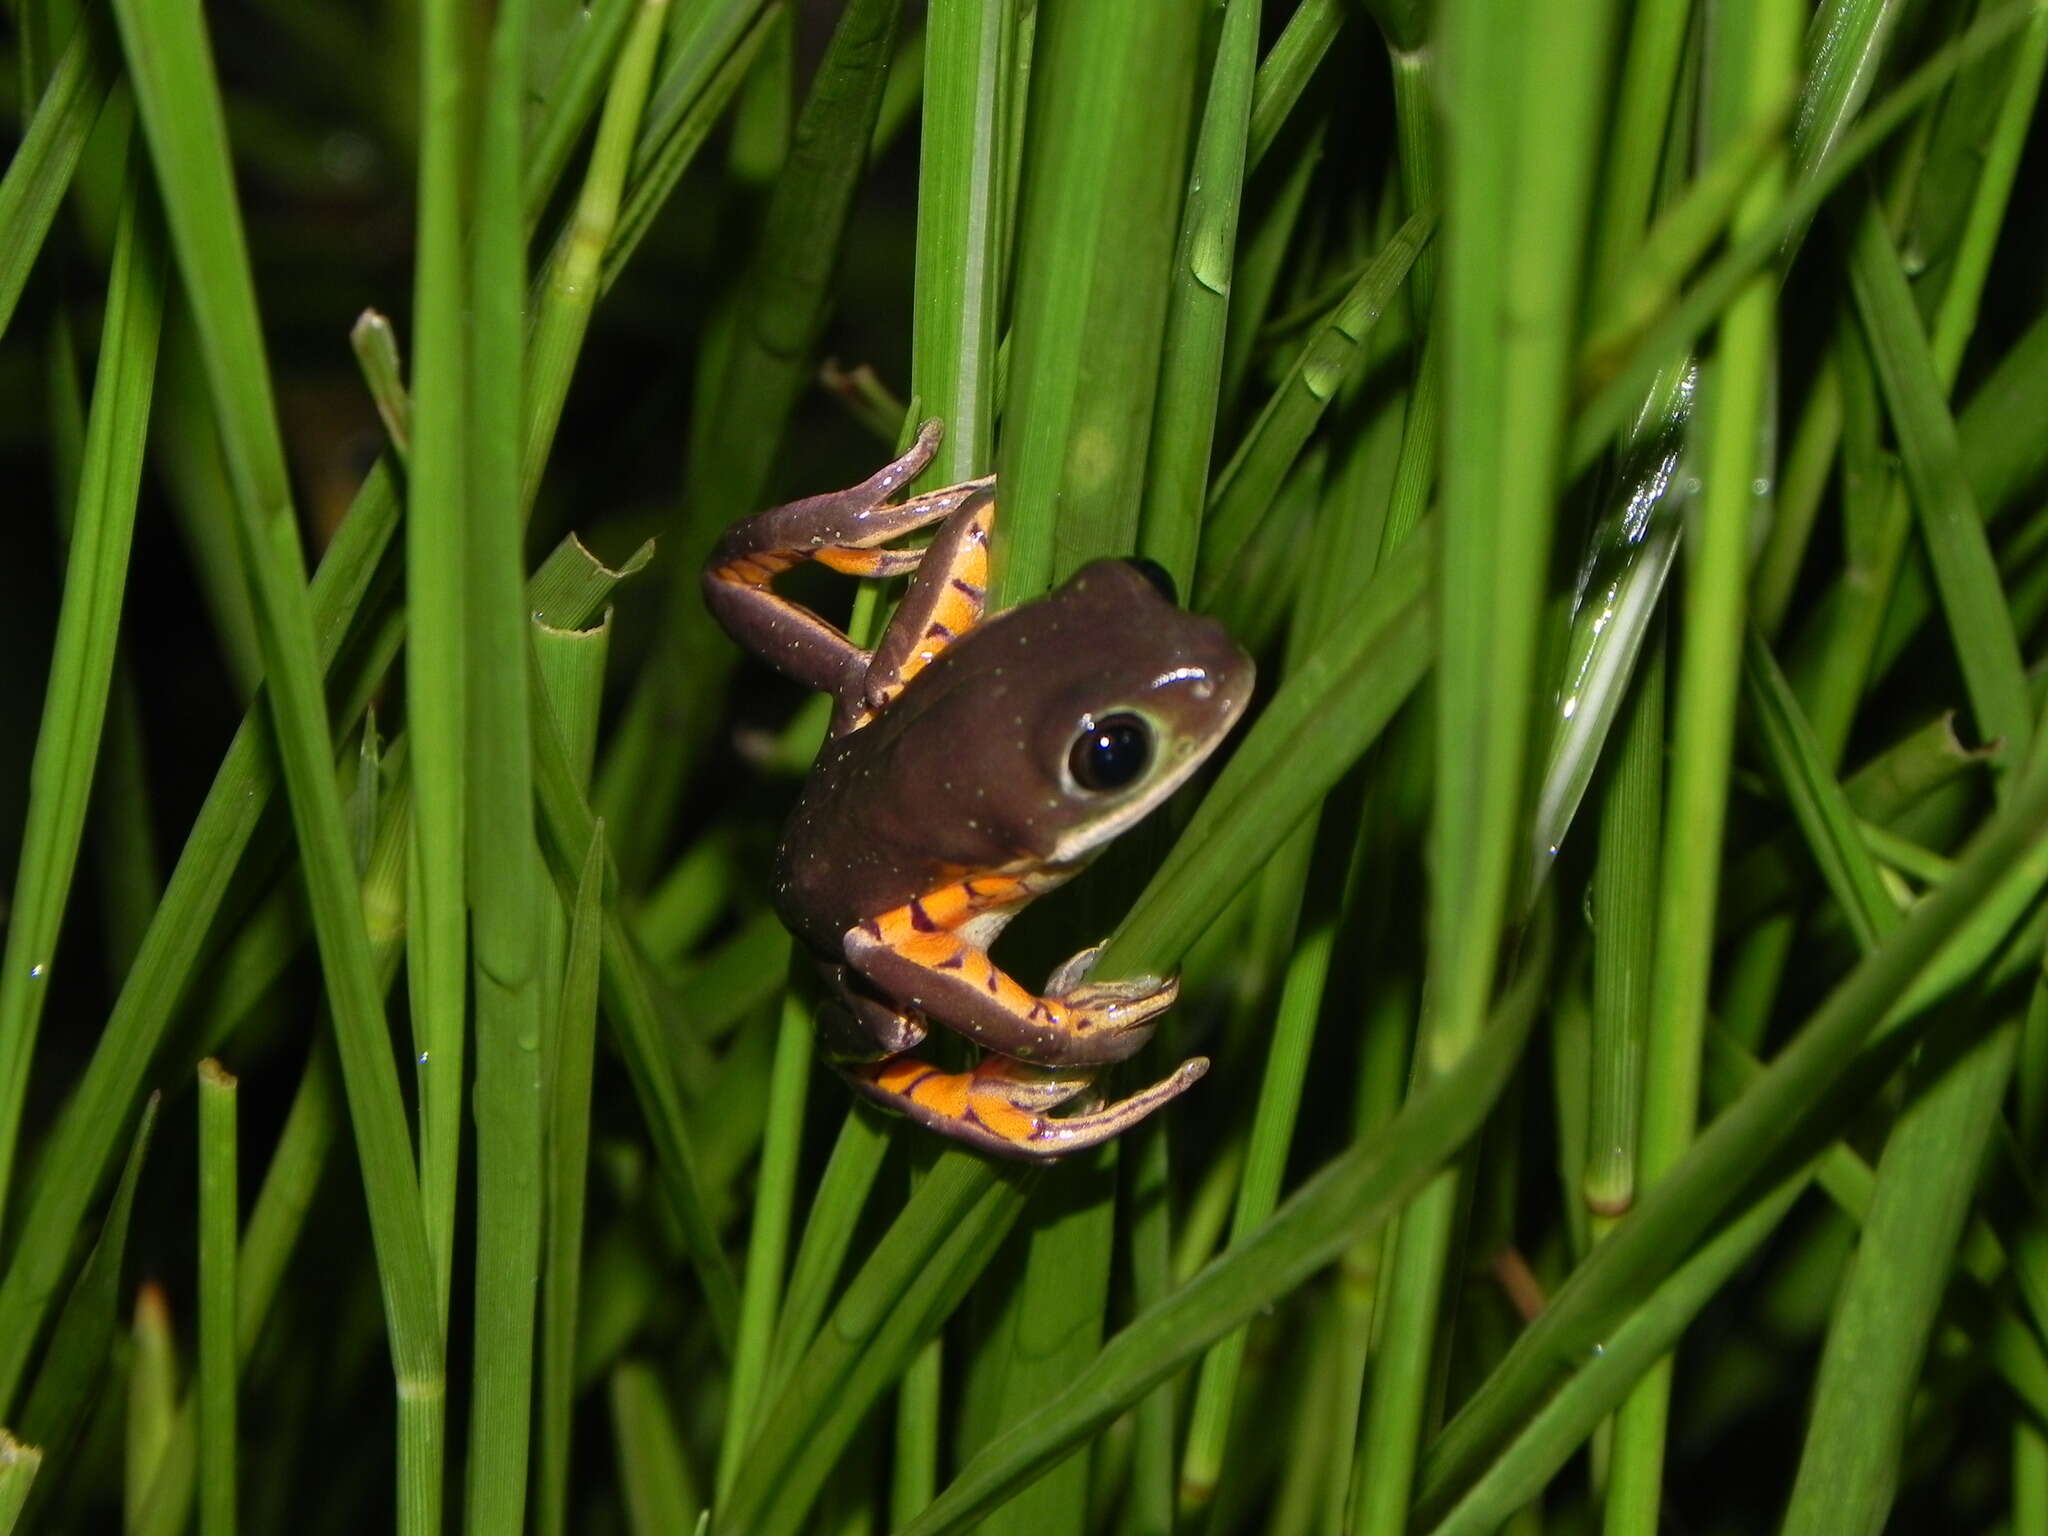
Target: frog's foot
(998, 1106)
(841, 530)
(853, 1026)
(920, 956)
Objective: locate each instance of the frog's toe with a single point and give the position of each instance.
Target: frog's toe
(1120, 1009)
(1071, 973)
(997, 1106)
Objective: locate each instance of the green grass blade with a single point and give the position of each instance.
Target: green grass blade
(914, 1279)
(571, 281)
(768, 1238)
(1287, 69)
(152, 1405)
(661, 1496)
(1818, 802)
(18, 1467)
(1881, 1325)
(1752, 72)
(568, 1156)
(1198, 305)
(631, 1010)
(69, 1375)
(508, 896)
(219, 1223)
(1247, 486)
(1614, 385)
(40, 170)
(177, 94)
(82, 663)
(1102, 172)
(961, 217)
(1965, 574)
(828, 1234)
(437, 638)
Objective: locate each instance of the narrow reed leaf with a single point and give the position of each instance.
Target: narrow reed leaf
(40, 170)
(568, 1169)
(841, 1192)
(82, 661)
(376, 347)
(703, 76)
(661, 1496)
(219, 1232)
(510, 910)
(944, 1236)
(177, 93)
(643, 1037)
(69, 1377)
(1882, 1321)
(1247, 486)
(102, 1108)
(1198, 305)
(1103, 169)
(1347, 1200)
(437, 636)
(1287, 69)
(19, 1464)
(768, 1236)
(1817, 800)
(152, 1401)
(1750, 66)
(962, 214)
(569, 285)
(579, 85)
(1951, 527)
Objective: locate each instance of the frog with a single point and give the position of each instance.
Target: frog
(973, 763)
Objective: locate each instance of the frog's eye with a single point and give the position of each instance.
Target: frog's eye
(1110, 753)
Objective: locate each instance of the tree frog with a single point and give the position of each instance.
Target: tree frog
(972, 765)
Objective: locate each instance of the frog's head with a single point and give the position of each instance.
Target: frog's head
(1120, 696)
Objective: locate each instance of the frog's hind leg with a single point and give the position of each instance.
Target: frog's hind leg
(928, 954)
(999, 1106)
(840, 530)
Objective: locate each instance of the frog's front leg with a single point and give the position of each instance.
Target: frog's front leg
(841, 530)
(924, 956)
(999, 1106)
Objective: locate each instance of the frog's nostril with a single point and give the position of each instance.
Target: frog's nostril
(1157, 574)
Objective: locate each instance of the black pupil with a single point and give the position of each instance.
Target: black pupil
(1111, 753)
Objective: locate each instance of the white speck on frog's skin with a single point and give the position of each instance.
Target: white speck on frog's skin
(423, 1058)
(36, 972)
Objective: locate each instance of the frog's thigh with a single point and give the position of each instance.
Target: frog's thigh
(996, 1107)
(915, 955)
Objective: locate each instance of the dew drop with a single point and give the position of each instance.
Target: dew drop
(35, 972)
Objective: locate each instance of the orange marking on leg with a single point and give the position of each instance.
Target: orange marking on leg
(944, 1092)
(1003, 1118)
(855, 562)
(898, 1076)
